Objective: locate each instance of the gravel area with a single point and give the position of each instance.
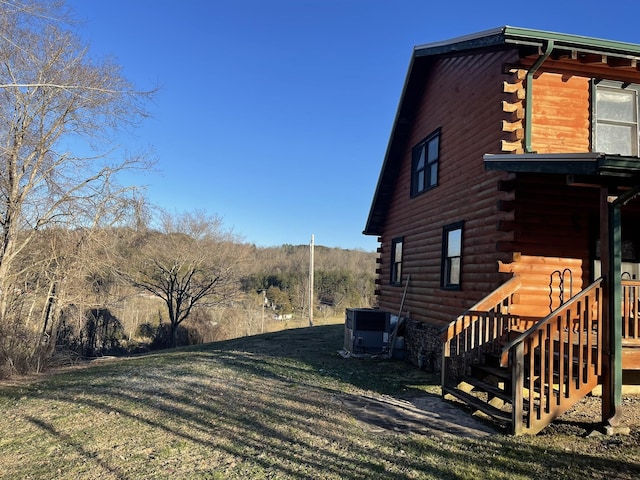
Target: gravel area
(585, 417)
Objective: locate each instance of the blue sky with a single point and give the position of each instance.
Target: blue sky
(275, 114)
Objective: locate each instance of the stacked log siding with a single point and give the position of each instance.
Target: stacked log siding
(561, 113)
(463, 96)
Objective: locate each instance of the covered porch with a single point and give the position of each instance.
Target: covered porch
(617, 179)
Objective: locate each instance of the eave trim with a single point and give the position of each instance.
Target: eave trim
(591, 163)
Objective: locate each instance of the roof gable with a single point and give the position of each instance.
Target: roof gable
(528, 42)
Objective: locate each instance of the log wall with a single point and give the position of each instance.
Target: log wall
(560, 113)
(547, 282)
(552, 218)
(479, 103)
(464, 97)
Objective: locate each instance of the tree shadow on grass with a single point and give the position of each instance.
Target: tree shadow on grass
(262, 425)
(241, 423)
(317, 348)
(67, 442)
(272, 406)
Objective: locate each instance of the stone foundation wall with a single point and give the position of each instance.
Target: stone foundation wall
(423, 345)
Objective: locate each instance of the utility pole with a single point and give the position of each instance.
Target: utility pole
(264, 300)
(311, 247)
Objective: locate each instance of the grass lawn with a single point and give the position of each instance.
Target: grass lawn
(262, 407)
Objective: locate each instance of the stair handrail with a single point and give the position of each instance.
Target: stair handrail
(504, 358)
(556, 362)
(470, 335)
(488, 303)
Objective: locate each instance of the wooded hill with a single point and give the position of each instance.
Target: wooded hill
(341, 278)
(87, 293)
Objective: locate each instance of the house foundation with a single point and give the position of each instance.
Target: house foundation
(423, 344)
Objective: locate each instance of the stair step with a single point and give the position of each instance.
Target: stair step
(489, 388)
(500, 416)
(492, 359)
(510, 336)
(499, 373)
(574, 337)
(576, 368)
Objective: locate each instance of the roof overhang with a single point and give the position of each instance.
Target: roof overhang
(499, 37)
(591, 168)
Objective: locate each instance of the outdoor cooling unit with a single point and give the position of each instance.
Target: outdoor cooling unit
(366, 330)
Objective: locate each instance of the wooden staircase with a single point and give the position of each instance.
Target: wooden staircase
(523, 373)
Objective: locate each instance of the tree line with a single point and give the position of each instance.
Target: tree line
(82, 293)
(341, 278)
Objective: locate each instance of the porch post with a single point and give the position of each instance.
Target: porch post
(610, 260)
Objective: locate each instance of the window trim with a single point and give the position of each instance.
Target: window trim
(445, 280)
(395, 273)
(429, 182)
(614, 85)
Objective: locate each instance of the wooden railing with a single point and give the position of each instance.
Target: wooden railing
(476, 332)
(630, 312)
(553, 364)
(556, 362)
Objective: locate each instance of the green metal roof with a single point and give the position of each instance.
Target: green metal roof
(595, 169)
(528, 37)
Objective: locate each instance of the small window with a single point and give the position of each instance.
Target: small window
(452, 256)
(615, 126)
(396, 261)
(424, 165)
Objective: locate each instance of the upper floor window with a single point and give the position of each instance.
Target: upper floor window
(424, 164)
(452, 256)
(615, 125)
(396, 261)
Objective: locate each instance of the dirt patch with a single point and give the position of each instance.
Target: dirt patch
(433, 416)
(423, 415)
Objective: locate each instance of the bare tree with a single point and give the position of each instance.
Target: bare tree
(53, 97)
(58, 108)
(191, 262)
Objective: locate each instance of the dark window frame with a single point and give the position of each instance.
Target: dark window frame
(423, 177)
(450, 259)
(395, 274)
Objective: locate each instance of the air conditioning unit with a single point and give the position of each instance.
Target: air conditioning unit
(366, 330)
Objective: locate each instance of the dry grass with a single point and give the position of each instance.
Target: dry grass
(261, 407)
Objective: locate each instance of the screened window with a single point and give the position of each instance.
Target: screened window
(425, 156)
(396, 261)
(452, 256)
(616, 118)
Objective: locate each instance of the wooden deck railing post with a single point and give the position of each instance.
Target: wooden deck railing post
(444, 365)
(517, 382)
(469, 336)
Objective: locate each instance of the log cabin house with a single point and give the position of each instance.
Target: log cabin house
(508, 223)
